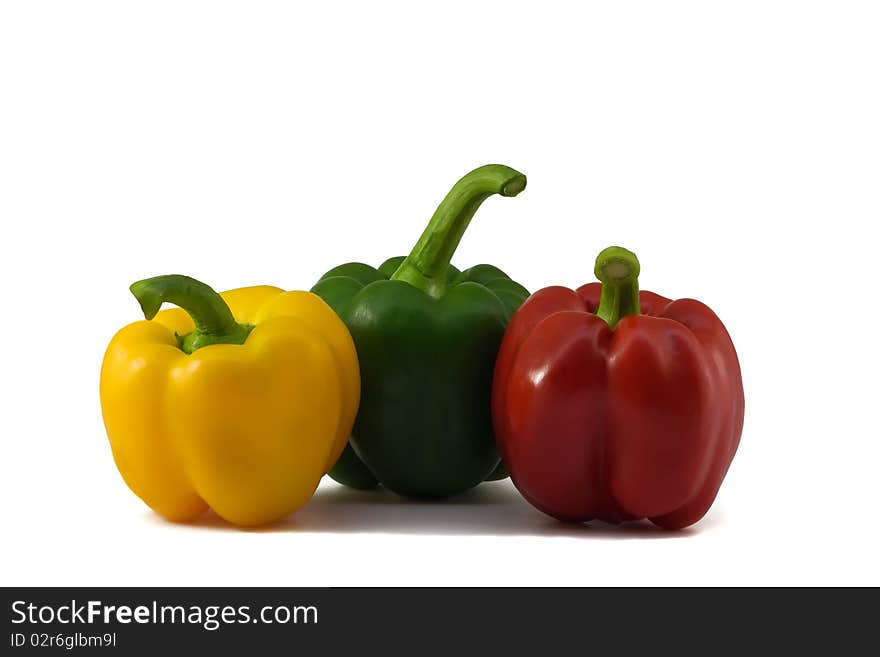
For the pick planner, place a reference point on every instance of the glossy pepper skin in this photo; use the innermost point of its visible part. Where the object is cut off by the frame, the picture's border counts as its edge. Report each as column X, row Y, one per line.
column 617, row 405
column 239, row 402
column 427, row 336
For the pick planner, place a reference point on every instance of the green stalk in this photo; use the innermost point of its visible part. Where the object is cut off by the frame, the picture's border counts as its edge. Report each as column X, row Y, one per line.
column 618, row 269
column 425, row 267
column 212, row 317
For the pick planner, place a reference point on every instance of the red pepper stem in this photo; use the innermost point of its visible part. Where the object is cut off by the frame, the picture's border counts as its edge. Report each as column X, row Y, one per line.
column 427, row 264
column 618, row 269
column 214, row 323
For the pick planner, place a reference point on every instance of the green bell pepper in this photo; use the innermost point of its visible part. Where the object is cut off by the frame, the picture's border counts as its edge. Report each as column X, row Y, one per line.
column 427, row 336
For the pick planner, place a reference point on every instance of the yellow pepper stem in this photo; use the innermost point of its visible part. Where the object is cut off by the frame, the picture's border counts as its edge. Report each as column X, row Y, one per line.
column 212, row 317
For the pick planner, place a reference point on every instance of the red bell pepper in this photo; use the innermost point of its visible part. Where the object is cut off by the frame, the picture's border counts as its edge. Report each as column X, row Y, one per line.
column 613, row 404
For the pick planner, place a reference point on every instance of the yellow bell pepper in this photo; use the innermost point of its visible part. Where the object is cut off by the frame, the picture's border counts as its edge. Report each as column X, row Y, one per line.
column 239, row 402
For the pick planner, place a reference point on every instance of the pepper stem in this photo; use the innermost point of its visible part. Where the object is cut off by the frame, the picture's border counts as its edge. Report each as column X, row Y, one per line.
column 426, row 265
column 210, row 314
column 618, row 269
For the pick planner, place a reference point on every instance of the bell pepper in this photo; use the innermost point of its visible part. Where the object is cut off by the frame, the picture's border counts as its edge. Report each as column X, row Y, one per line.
column 613, row 404
column 239, row 402
column 426, row 337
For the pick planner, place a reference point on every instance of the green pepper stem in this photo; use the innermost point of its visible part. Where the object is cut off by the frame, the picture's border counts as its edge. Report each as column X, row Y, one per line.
column 425, row 267
column 618, row 269
column 214, row 323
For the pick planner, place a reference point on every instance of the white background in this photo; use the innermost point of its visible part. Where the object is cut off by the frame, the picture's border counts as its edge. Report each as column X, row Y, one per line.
column 734, row 146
